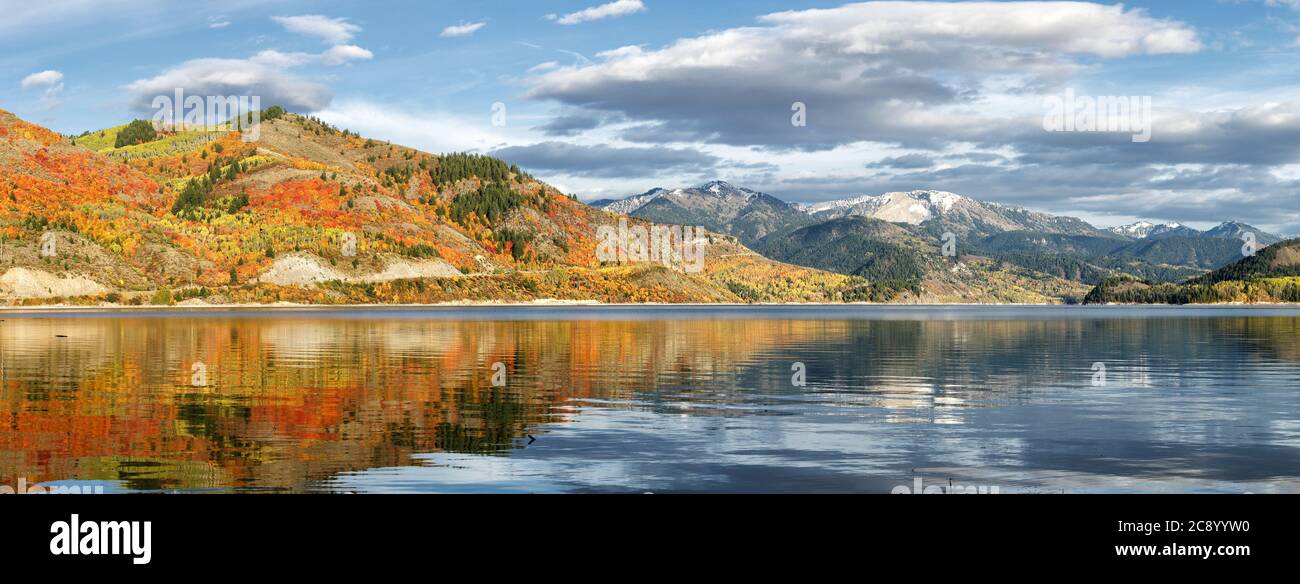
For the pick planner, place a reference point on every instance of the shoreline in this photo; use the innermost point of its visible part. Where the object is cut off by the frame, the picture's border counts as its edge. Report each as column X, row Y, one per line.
column 295, row 307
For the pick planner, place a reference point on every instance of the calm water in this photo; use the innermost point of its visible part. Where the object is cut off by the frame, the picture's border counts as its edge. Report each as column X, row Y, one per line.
column 655, row 399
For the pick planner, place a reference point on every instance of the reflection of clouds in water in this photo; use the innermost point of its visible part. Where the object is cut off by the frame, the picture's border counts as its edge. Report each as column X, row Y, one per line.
column 302, row 340
column 633, row 451
column 415, row 338
column 58, row 349
column 1285, row 432
column 309, row 340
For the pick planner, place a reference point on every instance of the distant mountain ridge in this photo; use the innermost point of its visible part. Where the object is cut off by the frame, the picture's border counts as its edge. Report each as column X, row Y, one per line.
column 718, row 206
column 1144, row 229
column 1226, row 230
column 891, row 237
column 963, row 215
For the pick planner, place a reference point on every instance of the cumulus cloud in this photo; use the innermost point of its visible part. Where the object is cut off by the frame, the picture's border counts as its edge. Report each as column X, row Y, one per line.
column 339, row 54
column 961, row 86
column 46, row 79
column 267, row 74
column 264, row 75
column 610, row 10
column 463, row 29
column 879, row 71
column 51, row 80
column 332, row 30
column 607, row 161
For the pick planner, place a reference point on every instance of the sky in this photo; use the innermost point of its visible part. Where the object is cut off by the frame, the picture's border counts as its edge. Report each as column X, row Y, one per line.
column 806, row 100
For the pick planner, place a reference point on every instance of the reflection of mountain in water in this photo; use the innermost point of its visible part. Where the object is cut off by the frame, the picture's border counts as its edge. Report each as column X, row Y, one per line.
column 290, row 402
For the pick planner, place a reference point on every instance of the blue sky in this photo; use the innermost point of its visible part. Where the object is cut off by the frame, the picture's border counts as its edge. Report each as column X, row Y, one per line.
column 634, row 94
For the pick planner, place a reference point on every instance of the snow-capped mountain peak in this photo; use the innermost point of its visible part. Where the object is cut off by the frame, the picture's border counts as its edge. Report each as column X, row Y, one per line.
column 1145, row 229
column 913, row 207
column 1237, row 229
column 725, row 189
column 633, row 203
column 711, row 190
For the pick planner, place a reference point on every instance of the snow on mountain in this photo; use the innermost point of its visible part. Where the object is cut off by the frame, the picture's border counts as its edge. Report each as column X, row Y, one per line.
column 716, row 189
column 1236, row 229
column 630, row 204
column 1144, row 229
column 913, row 207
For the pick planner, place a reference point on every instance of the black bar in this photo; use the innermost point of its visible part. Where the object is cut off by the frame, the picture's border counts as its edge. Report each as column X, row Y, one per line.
column 310, row 533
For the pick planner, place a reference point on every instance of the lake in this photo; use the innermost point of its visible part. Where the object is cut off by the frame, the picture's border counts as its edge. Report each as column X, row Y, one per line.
column 859, row 399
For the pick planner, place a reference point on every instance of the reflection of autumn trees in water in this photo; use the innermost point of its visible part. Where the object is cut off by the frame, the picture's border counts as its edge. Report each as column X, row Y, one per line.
column 290, row 402
column 293, row 401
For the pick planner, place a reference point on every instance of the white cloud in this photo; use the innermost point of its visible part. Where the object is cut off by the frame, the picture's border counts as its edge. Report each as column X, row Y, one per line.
column 463, row 29
column 216, row 22
column 882, row 71
column 47, row 79
column 264, row 75
column 610, row 10
column 332, row 30
column 1083, row 28
column 431, row 131
column 336, row 55
column 52, row 81
column 281, row 60
column 340, row 54
column 267, row 75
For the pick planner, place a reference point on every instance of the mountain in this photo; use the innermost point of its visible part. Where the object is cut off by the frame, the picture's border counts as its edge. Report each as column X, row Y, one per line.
column 1144, row 229
column 948, row 212
column 717, row 206
column 314, row 214
column 877, row 250
column 1227, row 230
column 1280, row 260
column 1272, row 275
column 897, row 234
column 913, row 208
column 905, row 267
column 1179, row 245
column 309, row 213
column 1235, row 231
column 1176, row 232
column 630, row 204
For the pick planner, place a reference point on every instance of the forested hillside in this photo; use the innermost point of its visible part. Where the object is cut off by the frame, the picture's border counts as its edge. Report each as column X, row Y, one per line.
column 1270, row 276
column 315, row 214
